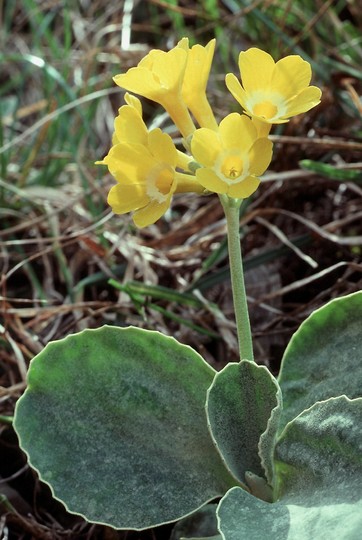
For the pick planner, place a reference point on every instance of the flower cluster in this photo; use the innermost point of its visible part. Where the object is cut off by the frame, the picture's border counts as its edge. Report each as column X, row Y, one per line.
column 226, row 158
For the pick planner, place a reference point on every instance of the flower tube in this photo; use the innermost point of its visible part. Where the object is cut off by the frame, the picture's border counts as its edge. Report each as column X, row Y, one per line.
column 195, row 79
column 159, row 77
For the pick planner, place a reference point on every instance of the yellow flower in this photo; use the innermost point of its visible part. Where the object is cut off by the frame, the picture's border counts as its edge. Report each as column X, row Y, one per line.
column 159, row 77
column 195, row 79
column 232, row 158
column 145, row 176
column 144, row 165
column 273, row 92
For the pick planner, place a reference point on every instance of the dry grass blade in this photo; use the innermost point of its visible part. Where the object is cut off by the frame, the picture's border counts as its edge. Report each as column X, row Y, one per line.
column 279, row 234
column 307, row 281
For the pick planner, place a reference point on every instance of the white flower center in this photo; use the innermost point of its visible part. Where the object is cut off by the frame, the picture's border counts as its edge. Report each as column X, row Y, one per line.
column 159, row 182
column 232, row 167
column 266, row 105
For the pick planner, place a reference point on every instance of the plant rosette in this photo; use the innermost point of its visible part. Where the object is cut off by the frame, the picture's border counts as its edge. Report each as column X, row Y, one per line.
column 114, row 421
column 132, row 429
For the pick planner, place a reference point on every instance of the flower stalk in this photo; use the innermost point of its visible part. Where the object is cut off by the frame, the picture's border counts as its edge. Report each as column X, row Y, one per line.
column 231, row 208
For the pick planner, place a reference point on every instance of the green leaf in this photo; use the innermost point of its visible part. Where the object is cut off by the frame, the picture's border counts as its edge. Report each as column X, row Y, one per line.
column 334, row 173
column 319, row 471
column 320, row 451
column 113, row 420
column 241, row 515
column 243, row 405
column 324, row 357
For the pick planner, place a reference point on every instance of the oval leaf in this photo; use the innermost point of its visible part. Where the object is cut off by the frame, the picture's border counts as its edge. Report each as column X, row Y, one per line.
column 243, row 403
column 113, row 420
column 324, row 357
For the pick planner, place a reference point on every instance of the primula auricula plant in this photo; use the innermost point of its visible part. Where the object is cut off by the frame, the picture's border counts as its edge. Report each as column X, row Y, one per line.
column 131, row 428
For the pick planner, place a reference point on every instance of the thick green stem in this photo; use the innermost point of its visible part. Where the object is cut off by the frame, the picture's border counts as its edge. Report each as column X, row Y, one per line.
column 231, row 209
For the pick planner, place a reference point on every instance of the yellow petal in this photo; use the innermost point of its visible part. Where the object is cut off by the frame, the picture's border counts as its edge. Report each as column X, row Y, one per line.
column 230, row 131
column 236, row 90
column 195, row 81
column 197, row 71
column 260, row 156
column 237, row 132
column 134, row 102
column 150, row 213
column 124, row 198
column 291, row 75
column 170, row 68
column 129, row 163
column 129, row 126
column 184, row 44
column 205, row 146
column 157, row 75
column 141, row 81
column 211, row 181
column 162, row 147
column 303, row 102
column 148, row 60
column 256, row 69
column 245, row 188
